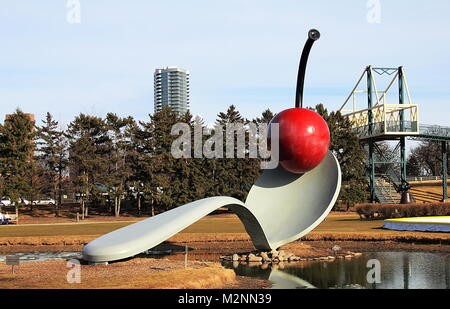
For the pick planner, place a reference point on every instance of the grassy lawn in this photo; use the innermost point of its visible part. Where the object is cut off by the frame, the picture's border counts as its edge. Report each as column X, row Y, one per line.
column 210, row 224
column 59, row 229
column 205, row 225
column 335, row 224
column 349, row 223
column 131, row 274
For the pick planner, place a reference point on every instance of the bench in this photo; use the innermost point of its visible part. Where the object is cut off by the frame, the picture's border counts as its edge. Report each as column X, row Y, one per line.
column 13, row 218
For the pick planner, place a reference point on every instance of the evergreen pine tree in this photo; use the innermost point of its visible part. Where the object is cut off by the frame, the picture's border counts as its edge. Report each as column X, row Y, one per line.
column 152, row 143
column 348, row 151
column 88, row 149
column 234, row 176
column 53, row 157
column 202, row 174
column 413, row 166
column 118, row 163
column 266, row 117
column 17, row 145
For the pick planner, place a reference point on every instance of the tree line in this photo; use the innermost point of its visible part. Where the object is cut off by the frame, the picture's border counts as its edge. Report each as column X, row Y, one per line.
column 426, row 159
column 106, row 162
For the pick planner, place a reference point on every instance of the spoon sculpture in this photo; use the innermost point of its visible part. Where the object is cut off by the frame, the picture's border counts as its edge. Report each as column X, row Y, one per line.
column 283, row 205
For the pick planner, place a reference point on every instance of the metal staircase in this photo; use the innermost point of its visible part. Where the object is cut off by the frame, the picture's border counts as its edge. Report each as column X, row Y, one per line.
column 385, row 190
column 387, row 181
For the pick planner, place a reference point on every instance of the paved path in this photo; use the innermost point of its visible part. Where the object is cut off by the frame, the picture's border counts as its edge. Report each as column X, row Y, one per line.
column 67, row 223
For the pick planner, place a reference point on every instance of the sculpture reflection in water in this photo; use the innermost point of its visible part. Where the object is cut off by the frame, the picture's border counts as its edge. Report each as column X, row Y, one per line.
column 399, row 270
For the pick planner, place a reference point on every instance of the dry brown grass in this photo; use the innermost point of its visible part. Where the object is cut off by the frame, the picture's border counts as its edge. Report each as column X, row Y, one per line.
column 45, row 240
column 349, row 227
column 42, row 214
column 337, row 226
column 135, row 274
column 80, row 240
column 427, row 191
column 430, row 238
column 59, row 229
column 388, row 211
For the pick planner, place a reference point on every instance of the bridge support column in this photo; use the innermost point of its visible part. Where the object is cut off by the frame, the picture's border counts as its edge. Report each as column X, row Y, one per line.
column 372, row 183
column 403, row 161
column 444, row 171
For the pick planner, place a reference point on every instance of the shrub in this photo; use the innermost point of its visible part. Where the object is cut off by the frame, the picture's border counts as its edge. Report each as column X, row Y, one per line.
column 388, row 211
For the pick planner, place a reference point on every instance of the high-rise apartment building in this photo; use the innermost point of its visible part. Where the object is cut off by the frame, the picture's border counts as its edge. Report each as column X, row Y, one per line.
column 171, row 88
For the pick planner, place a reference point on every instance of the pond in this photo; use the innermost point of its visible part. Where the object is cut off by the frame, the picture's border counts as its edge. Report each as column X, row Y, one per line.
column 398, row 270
column 43, row 256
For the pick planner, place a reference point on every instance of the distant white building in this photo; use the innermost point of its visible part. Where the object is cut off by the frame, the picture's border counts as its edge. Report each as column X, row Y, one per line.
column 171, row 88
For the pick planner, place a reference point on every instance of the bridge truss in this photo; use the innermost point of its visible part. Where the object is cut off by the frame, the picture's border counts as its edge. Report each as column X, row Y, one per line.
column 382, row 121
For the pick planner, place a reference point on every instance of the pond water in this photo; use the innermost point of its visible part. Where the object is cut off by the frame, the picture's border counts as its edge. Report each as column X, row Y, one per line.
column 398, row 270
column 43, row 256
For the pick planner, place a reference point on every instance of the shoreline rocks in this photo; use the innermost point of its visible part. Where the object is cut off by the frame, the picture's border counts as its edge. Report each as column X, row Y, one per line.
column 281, row 257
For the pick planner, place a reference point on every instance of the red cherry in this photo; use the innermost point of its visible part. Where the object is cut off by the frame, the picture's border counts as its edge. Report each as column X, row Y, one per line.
column 304, row 139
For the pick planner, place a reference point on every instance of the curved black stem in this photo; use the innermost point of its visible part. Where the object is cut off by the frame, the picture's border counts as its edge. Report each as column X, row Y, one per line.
column 313, row 35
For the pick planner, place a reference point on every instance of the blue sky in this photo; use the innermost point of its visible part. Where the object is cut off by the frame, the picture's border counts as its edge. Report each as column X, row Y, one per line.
column 242, row 52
